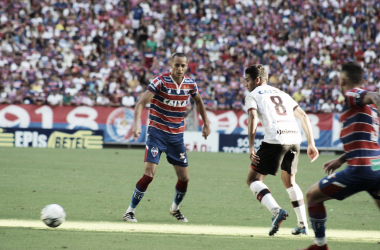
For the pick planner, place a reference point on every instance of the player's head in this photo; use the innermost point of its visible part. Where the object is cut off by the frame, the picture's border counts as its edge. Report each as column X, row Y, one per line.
column 351, row 75
column 179, row 65
column 255, row 76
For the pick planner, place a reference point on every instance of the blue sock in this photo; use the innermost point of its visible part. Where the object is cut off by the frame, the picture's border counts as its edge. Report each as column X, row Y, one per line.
column 319, row 227
column 178, row 197
column 317, row 214
column 136, row 198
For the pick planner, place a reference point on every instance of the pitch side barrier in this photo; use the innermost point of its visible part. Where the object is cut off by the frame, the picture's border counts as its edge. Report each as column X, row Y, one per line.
column 229, row 128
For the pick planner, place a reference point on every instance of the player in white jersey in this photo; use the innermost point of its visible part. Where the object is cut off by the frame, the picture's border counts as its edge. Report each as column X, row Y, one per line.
column 280, row 147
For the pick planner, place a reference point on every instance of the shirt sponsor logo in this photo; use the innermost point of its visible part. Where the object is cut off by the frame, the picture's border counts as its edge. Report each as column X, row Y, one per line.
column 175, row 103
column 281, row 132
column 268, row 92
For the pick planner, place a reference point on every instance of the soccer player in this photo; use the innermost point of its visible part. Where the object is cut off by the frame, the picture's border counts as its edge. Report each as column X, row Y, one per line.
column 168, row 95
column 359, row 135
column 280, row 147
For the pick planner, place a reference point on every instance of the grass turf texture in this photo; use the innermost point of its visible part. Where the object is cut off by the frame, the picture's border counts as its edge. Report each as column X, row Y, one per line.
column 96, row 185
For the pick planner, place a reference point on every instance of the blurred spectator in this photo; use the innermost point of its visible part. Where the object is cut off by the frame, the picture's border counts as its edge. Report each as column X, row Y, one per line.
column 298, row 96
column 67, row 99
column 54, row 99
column 238, row 103
column 222, row 103
column 328, row 106
column 102, row 100
column 128, row 100
column 88, row 100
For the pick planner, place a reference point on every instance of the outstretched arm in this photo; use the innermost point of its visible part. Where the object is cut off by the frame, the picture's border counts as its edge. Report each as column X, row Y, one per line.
column 144, row 100
column 372, row 98
column 202, row 111
column 252, row 126
column 312, row 151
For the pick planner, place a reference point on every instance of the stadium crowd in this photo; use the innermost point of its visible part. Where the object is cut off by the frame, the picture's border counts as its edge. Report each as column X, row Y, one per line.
column 105, row 52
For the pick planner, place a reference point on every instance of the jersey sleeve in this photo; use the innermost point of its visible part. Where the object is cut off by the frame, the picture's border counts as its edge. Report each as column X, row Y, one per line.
column 354, row 98
column 155, row 85
column 194, row 91
column 250, row 103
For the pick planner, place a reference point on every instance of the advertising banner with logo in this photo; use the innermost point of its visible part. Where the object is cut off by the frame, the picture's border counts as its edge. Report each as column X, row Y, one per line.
column 196, row 143
column 51, row 138
column 115, row 122
column 235, row 122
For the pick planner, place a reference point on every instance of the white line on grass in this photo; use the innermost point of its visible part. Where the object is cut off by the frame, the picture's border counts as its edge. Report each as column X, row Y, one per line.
column 343, row 235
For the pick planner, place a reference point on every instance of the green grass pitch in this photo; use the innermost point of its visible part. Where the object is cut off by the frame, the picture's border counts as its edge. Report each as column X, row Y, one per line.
column 96, row 185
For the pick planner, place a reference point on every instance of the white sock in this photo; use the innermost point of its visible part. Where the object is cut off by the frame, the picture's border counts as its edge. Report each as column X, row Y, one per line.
column 295, row 194
column 174, row 207
column 320, row 241
column 267, row 200
column 130, row 209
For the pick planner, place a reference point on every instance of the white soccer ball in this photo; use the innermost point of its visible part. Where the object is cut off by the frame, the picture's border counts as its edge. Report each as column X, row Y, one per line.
column 53, row 215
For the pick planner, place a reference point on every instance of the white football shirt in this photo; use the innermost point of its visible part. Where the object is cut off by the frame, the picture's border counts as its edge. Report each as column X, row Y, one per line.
column 275, row 109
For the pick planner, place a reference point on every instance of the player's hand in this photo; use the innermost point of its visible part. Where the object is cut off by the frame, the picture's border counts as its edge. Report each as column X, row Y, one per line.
column 205, row 131
column 332, row 165
column 136, row 132
column 312, row 152
column 255, row 159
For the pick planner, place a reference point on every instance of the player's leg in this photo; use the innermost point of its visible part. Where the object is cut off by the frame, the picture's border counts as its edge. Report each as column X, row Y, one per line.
column 176, row 155
column 139, row 192
column 261, row 191
column 288, row 177
column 151, row 159
column 317, row 214
column 180, row 192
column 264, row 196
column 270, row 157
column 298, row 203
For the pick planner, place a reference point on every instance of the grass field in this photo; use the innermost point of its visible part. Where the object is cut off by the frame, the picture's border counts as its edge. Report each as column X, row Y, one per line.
column 95, row 187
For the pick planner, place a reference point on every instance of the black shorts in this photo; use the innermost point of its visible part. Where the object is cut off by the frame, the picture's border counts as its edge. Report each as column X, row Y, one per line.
column 272, row 156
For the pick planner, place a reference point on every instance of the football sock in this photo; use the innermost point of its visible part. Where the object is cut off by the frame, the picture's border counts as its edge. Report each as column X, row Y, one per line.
column 180, row 192
column 263, row 194
column 296, row 198
column 317, row 214
column 140, row 189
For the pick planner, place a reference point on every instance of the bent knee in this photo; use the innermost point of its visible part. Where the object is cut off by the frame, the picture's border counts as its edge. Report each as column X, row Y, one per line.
column 184, row 178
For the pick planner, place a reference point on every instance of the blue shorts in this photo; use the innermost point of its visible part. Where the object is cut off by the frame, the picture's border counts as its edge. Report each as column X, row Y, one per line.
column 350, row 181
column 175, row 150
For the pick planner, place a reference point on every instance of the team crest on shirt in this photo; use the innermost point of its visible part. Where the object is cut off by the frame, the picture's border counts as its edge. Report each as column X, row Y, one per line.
column 154, row 151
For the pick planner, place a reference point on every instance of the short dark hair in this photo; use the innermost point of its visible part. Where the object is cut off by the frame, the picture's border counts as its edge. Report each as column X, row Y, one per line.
column 353, row 72
column 257, row 70
column 178, row 54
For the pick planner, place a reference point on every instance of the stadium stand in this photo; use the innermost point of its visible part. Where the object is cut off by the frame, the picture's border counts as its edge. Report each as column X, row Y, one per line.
column 81, row 52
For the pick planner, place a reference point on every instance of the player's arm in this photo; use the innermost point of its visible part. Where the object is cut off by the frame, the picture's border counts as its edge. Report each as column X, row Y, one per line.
column 312, row 151
column 202, row 111
column 372, row 98
column 332, row 165
column 144, row 100
column 252, row 127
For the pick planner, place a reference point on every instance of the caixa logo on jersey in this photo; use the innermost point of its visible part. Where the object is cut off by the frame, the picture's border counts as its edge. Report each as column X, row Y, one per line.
column 120, row 125
column 175, row 103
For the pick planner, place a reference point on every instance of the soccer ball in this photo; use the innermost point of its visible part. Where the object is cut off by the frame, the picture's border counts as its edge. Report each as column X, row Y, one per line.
column 53, row 215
